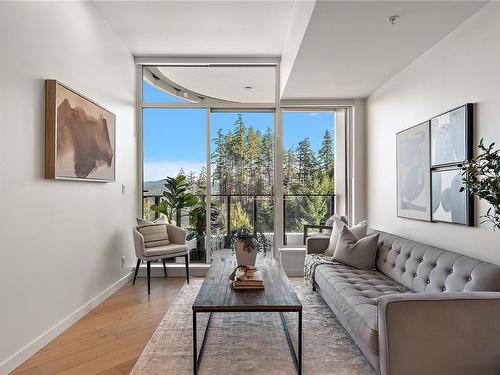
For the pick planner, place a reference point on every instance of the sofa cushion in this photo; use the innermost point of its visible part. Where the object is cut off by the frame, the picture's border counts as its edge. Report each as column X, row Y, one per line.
column 354, row 293
column 167, row 250
column 356, row 252
column 359, row 230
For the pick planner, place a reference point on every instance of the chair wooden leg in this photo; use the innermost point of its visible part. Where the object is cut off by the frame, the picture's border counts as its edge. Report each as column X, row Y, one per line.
column 136, row 270
column 187, row 267
column 149, row 277
column 164, row 267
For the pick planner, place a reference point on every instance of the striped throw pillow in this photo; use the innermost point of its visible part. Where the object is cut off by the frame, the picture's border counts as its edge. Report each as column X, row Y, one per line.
column 154, row 233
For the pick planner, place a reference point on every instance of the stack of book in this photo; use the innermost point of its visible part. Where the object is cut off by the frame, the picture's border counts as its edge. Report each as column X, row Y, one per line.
column 248, row 280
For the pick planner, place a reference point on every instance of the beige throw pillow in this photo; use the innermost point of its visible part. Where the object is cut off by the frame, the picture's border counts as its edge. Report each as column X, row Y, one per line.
column 356, row 252
column 154, row 233
column 359, row 230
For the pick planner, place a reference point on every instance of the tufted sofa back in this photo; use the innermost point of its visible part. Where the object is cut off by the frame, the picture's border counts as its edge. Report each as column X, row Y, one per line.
column 423, row 268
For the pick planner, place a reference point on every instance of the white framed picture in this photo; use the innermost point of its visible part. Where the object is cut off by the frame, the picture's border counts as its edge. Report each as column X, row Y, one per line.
column 413, row 172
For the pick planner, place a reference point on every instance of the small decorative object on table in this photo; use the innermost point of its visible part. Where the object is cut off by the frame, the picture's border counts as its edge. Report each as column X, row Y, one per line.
column 247, row 245
column 245, row 277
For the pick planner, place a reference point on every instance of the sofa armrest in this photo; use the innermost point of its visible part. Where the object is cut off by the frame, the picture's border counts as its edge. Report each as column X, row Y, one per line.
column 176, row 235
column 439, row 333
column 317, row 244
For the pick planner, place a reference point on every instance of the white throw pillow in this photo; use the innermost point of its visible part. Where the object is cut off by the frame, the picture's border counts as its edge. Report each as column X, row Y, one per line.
column 359, row 230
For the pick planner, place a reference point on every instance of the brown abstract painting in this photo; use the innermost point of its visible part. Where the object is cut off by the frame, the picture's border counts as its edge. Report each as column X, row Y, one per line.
column 79, row 136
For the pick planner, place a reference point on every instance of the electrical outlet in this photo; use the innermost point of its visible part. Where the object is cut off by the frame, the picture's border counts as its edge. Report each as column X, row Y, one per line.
column 123, row 261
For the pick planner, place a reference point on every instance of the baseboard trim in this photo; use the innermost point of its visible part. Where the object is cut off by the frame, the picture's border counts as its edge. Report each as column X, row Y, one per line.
column 294, row 272
column 34, row 346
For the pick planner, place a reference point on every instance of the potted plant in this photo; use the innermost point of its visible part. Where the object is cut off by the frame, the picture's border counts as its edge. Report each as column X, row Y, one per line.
column 482, row 177
column 246, row 245
column 197, row 224
column 176, row 197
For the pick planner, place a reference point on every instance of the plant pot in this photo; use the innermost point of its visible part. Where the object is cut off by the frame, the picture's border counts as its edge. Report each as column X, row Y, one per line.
column 243, row 256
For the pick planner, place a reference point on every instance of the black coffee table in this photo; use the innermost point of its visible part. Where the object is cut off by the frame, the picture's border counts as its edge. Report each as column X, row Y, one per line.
column 217, row 295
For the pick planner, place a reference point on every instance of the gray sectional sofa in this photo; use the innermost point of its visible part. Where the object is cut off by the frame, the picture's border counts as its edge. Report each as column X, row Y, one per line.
column 423, row 310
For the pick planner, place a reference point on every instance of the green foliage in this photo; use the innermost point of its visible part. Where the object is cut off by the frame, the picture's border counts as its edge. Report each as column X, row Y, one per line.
column 325, row 154
column 265, row 219
column 239, row 218
column 175, row 197
column 482, row 177
column 307, row 162
column 198, row 221
column 251, row 242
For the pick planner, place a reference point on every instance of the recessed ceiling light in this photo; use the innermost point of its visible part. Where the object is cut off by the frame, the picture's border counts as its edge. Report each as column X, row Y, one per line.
column 393, row 19
column 185, row 94
column 248, row 88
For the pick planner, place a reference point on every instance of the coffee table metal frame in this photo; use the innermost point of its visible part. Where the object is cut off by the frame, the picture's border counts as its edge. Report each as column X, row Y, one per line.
column 296, row 355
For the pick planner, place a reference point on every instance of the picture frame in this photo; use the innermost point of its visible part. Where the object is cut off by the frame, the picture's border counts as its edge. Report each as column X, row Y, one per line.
column 451, row 203
column 413, row 172
column 80, row 136
column 451, row 136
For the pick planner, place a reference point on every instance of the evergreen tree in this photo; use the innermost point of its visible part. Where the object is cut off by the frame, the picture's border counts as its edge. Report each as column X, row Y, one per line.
column 201, row 182
column 290, row 171
column 325, row 154
column 238, row 150
column 306, row 160
column 265, row 219
column 239, row 218
column 253, row 151
column 219, row 160
column 191, row 180
column 268, row 161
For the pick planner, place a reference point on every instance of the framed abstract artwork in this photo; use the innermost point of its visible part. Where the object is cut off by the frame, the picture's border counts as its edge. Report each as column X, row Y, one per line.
column 451, row 137
column 450, row 203
column 413, row 172
column 80, row 136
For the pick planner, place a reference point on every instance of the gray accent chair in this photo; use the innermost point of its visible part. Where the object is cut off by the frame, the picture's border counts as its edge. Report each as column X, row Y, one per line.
column 176, row 248
column 422, row 310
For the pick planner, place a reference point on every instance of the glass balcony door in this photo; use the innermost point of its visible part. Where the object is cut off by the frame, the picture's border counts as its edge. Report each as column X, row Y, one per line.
column 242, row 176
column 308, row 171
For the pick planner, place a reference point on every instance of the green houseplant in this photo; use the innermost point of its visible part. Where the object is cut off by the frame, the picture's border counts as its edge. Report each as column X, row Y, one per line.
column 198, row 221
column 482, row 177
column 175, row 197
column 246, row 245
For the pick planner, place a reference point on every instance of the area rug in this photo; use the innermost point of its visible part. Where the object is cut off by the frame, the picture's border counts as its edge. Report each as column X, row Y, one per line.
column 251, row 343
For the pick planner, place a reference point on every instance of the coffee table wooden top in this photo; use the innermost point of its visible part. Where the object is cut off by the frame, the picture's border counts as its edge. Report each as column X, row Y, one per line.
column 217, row 294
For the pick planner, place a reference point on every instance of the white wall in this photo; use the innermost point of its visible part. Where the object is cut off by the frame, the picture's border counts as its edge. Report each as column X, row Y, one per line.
column 463, row 67
column 61, row 243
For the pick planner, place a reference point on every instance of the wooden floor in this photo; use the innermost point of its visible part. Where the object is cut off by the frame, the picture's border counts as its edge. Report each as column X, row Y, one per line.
column 109, row 339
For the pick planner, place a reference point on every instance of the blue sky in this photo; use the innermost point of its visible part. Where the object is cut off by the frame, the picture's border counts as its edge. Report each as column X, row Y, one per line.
column 175, row 138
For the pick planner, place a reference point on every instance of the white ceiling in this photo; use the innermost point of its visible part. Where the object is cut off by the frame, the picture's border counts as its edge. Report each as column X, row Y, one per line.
column 347, row 50
column 199, row 28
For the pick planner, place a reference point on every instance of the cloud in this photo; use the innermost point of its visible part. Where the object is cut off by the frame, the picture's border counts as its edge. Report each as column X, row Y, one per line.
column 158, row 170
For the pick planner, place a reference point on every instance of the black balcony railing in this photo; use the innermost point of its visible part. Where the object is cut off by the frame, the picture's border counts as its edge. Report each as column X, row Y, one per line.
column 250, row 204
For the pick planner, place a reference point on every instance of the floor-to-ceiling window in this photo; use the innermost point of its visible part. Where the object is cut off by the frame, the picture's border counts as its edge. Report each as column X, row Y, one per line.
column 308, row 170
